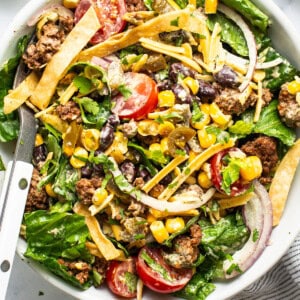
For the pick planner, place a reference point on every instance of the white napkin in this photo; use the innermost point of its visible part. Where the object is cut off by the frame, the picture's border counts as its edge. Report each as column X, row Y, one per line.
column 282, row 282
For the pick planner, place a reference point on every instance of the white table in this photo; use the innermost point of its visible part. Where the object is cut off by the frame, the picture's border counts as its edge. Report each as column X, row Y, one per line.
column 25, row 284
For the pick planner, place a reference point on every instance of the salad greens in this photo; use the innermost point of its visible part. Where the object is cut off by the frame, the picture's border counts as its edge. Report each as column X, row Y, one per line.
column 9, row 124
column 53, row 235
column 269, row 124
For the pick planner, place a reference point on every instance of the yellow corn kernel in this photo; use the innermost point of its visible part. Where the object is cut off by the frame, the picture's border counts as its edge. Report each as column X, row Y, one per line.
column 203, row 122
column 294, row 87
column 164, row 145
column 70, row 3
column 192, row 84
column 204, row 181
column 166, row 98
column 158, row 214
column 217, row 115
column 117, row 155
column 206, row 139
column 205, row 108
column 76, row 162
column 38, row 140
column 165, row 128
column 159, row 231
column 148, row 127
column 191, row 180
column 49, row 190
column 155, row 147
column 116, row 229
column 90, row 139
column 174, row 224
column 99, row 196
column 210, row 6
column 251, row 168
column 150, row 218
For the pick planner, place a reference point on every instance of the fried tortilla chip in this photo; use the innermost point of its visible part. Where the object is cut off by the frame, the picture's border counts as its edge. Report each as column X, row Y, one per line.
column 76, row 40
column 187, row 19
column 19, row 95
column 282, row 181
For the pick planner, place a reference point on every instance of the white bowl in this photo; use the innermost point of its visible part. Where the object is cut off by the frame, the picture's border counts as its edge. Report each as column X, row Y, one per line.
column 287, row 42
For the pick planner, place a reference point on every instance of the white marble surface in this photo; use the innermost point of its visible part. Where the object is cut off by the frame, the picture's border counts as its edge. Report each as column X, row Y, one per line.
column 25, row 284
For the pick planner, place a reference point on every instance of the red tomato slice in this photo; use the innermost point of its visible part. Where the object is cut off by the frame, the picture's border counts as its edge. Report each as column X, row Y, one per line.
column 109, row 13
column 142, row 98
column 119, row 277
column 169, row 280
column 238, row 187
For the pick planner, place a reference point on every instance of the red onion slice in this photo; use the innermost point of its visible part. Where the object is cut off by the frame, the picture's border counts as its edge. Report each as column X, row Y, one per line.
column 269, row 64
column 231, row 14
column 258, row 217
column 61, row 10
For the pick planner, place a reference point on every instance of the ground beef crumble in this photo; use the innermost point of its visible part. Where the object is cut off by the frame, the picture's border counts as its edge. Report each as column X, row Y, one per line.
column 265, row 148
column 85, row 189
column 37, row 198
column 69, row 112
column 79, row 269
column 53, row 34
column 185, row 249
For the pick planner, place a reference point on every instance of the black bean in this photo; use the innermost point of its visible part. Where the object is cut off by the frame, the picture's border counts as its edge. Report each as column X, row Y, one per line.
column 206, row 91
column 106, row 137
column 164, row 85
column 182, row 95
column 177, row 69
column 86, row 171
column 128, row 170
column 113, row 120
column 39, row 154
column 144, row 174
column 227, row 77
column 167, row 179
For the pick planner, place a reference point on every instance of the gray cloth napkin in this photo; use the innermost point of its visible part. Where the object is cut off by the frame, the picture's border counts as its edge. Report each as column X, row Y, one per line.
column 282, row 282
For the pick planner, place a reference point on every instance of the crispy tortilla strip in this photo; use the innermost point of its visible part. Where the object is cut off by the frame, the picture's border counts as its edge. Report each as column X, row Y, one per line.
column 194, row 165
column 55, row 121
column 74, row 43
column 230, row 202
column 104, row 245
column 19, row 95
column 186, row 19
column 282, row 181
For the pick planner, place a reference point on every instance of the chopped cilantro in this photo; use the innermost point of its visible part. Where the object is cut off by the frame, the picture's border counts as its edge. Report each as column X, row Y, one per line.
column 255, row 235
column 139, row 236
column 175, row 22
column 83, row 84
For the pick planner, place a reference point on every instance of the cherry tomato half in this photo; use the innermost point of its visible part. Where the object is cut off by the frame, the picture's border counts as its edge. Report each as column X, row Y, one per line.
column 121, row 278
column 157, row 275
column 142, row 97
column 217, row 163
column 109, row 13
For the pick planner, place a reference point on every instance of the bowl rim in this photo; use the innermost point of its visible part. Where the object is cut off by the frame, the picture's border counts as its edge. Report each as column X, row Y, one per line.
column 284, row 229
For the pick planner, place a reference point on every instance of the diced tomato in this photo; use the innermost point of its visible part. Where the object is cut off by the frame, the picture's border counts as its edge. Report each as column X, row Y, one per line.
column 158, row 275
column 109, row 13
column 141, row 99
column 121, row 278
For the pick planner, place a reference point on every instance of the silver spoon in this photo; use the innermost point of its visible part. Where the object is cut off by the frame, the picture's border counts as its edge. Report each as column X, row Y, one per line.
column 15, row 188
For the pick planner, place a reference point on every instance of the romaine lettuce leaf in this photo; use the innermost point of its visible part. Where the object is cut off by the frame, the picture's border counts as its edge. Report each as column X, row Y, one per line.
column 251, row 12
column 57, row 235
column 269, row 124
column 9, row 124
column 225, row 237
